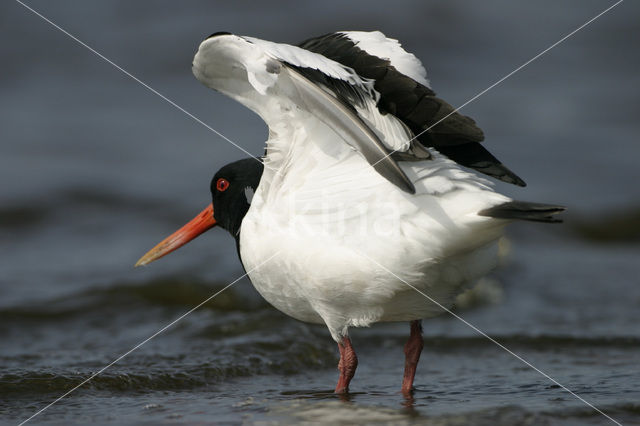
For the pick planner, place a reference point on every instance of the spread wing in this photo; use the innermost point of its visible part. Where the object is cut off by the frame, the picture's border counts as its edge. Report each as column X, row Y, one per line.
column 273, row 79
column 401, row 82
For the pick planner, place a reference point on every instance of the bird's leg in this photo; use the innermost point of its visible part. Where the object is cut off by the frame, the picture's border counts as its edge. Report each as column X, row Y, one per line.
column 347, row 365
column 412, row 351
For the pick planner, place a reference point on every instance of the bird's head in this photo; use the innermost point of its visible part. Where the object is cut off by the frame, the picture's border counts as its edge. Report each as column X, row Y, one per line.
column 232, row 189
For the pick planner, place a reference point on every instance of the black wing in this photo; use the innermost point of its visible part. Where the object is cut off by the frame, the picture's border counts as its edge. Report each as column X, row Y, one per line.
column 416, row 106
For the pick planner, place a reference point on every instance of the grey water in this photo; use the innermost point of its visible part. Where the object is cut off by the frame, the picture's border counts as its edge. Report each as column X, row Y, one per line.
column 95, row 169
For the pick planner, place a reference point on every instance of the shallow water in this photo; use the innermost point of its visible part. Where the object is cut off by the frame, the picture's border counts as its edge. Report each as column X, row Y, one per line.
column 95, row 170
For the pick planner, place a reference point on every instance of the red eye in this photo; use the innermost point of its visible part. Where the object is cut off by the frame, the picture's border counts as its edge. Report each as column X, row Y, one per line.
column 222, row 184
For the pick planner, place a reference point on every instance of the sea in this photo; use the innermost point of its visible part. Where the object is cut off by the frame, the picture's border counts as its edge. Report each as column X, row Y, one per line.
column 103, row 153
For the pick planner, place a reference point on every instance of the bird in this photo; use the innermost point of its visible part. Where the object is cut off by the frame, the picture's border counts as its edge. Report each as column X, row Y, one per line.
column 370, row 189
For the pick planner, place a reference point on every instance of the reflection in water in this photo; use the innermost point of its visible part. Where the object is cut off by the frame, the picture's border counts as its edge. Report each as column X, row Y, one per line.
column 409, row 402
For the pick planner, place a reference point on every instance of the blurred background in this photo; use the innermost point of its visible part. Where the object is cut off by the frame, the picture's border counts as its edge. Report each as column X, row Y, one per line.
column 95, row 170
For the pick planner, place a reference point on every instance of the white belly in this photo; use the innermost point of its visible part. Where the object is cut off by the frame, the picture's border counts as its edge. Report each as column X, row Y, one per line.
column 317, row 281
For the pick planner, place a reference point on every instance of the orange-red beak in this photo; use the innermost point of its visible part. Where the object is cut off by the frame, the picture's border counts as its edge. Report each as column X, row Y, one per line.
column 196, row 226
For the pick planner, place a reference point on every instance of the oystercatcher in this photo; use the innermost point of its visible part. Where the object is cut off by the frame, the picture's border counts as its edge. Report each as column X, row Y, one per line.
column 360, row 191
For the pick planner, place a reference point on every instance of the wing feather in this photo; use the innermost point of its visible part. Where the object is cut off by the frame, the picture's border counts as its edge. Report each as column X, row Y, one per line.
column 265, row 77
column 351, row 128
column 404, row 92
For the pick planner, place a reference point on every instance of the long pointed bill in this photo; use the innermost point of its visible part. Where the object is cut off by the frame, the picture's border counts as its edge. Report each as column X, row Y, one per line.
column 196, row 226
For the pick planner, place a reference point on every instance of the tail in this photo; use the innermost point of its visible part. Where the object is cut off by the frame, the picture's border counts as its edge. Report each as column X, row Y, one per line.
column 525, row 211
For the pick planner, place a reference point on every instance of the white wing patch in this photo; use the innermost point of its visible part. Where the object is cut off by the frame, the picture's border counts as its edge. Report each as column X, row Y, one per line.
column 391, row 131
column 377, row 44
column 388, row 128
column 261, row 60
column 299, row 57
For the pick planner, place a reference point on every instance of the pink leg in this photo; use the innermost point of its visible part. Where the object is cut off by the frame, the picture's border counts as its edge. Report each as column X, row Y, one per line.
column 347, row 365
column 412, row 351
